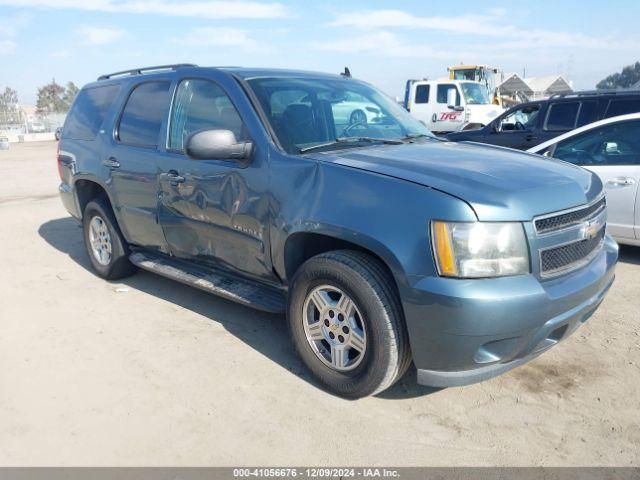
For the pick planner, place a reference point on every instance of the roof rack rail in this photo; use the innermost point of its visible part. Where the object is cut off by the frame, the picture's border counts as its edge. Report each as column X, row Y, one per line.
column 140, row 71
column 586, row 93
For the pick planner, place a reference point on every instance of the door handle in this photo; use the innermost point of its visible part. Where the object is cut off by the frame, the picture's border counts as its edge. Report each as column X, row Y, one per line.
column 530, row 137
column 111, row 163
column 173, row 177
column 620, row 182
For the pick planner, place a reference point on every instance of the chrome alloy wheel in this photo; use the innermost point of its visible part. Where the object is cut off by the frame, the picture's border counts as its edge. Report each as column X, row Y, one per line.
column 100, row 240
column 334, row 328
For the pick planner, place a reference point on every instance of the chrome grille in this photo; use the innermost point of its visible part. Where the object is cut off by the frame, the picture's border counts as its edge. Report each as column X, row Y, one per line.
column 554, row 223
column 557, row 260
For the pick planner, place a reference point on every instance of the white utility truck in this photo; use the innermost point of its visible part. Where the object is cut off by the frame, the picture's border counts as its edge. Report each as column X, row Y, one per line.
column 450, row 105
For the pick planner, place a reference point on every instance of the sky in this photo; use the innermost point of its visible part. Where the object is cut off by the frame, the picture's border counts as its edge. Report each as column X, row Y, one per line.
column 382, row 42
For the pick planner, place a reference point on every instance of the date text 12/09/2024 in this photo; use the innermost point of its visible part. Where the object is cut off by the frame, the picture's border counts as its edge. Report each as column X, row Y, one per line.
column 316, row 472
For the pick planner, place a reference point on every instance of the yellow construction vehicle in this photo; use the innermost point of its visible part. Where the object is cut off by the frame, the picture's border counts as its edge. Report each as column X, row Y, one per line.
column 478, row 73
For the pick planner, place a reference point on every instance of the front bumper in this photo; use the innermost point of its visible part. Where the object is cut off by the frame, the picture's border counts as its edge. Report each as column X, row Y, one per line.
column 466, row 331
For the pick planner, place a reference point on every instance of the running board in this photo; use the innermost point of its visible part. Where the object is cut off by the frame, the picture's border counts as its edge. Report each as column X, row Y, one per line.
column 218, row 282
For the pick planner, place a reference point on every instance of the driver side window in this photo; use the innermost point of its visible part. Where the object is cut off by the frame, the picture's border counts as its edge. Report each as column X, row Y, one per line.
column 524, row 118
column 443, row 93
column 614, row 144
column 202, row 105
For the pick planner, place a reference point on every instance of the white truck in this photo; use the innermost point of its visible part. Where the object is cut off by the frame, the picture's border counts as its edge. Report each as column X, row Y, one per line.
column 450, row 105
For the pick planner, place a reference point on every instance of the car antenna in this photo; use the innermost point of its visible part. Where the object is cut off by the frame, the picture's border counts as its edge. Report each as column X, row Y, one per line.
column 346, row 73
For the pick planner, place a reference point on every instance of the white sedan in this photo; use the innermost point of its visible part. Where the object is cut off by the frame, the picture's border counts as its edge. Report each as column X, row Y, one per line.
column 611, row 149
column 355, row 112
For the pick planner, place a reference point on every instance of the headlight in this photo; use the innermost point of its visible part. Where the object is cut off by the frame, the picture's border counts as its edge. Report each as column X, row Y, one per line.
column 479, row 249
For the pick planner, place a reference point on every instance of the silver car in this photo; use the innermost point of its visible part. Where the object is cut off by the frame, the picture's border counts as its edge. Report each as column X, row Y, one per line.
column 611, row 149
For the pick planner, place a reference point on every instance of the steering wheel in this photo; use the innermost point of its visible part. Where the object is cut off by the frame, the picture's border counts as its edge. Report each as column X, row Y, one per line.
column 364, row 125
column 519, row 125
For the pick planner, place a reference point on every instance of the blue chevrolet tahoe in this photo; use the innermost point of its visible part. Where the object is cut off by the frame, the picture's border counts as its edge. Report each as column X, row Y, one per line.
column 318, row 196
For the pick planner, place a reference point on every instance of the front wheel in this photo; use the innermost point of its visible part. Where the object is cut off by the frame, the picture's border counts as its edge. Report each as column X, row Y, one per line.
column 346, row 323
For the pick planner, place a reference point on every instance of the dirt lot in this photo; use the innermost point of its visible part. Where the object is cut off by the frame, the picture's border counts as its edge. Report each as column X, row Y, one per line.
column 150, row 372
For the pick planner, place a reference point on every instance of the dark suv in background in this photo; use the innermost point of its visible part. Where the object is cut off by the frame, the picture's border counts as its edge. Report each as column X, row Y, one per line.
column 529, row 124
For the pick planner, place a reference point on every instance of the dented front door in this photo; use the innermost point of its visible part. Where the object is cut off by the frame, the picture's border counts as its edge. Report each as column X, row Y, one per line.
column 213, row 211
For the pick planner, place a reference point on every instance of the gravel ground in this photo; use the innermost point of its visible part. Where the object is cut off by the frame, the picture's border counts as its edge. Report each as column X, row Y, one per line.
column 149, row 372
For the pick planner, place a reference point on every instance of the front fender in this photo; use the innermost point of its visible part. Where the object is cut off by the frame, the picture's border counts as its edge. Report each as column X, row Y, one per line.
column 385, row 215
column 360, row 239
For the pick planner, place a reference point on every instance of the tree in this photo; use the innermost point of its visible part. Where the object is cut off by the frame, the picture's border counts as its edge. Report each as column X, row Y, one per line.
column 629, row 76
column 69, row 94
column 9, row 109
column 50, row 99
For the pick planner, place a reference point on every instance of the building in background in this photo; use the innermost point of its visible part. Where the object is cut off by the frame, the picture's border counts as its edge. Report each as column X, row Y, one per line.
column 544, row 87
column 533, row 88
column 514, row 87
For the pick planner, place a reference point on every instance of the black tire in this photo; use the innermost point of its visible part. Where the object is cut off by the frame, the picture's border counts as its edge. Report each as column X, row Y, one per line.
column 366, row 281
column 119, row 265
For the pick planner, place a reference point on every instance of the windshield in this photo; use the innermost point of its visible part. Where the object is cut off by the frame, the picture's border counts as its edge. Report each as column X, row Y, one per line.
column 308, row 112
column 475, row 94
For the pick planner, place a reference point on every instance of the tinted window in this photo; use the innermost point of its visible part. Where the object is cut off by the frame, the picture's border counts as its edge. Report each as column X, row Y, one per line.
column 202, row 105
column 422, row 94
column 281, row 99
column 142, row 115
column 622, row 107
column 310, row 112
column 614, row 144
column 562, row 116
column 442, row 93
column 588, row 113
column 88, row 112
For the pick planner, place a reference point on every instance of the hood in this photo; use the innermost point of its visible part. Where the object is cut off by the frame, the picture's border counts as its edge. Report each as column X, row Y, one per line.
column 500, row 184
column 483, row 113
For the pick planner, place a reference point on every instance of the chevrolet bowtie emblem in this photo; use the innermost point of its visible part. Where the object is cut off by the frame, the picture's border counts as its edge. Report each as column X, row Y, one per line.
column 591, row 228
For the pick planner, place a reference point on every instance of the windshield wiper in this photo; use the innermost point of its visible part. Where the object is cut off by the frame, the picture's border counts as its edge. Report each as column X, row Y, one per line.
column 414, row 136
column 350, row 141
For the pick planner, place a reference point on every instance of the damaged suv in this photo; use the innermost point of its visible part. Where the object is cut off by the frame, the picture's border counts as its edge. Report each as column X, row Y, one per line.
column 383, row 245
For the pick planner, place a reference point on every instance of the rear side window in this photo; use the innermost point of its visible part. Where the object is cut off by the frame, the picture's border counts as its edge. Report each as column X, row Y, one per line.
column 89, row 111
column 422, row 94
column 588, row 113
column 143, row 114
column 622, row 107
column 562, row 116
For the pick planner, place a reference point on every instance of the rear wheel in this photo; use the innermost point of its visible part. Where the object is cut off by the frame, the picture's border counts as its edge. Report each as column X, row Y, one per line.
column 106, row 247
column 347, row 324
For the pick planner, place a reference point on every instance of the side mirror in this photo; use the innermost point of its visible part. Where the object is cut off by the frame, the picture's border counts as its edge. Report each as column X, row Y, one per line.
column 217, row 145
column 452, row 95
column 494, row 127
